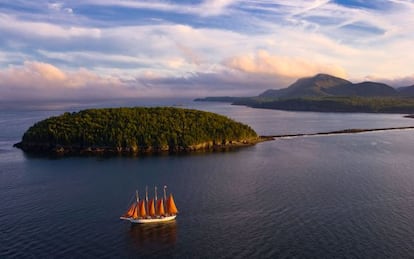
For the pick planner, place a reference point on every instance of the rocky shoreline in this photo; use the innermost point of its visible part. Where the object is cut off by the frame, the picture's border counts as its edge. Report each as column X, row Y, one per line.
column 35, row 148
column 95, row 150
column 135, row 130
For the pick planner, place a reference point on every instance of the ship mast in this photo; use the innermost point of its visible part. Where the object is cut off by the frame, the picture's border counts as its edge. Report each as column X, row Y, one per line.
column 165, row 193
column 136, row 193
column 146, row 197
column 165, row 198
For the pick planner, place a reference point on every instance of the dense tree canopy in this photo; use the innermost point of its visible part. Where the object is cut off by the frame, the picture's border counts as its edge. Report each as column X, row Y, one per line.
column 135, row 129
column 334, row 104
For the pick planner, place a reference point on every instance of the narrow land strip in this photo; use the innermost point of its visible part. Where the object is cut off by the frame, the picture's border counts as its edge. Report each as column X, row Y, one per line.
column 345, row 131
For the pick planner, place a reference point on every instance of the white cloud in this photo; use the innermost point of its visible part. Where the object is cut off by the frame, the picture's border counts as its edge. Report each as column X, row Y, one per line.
column 59, row 8
column 214, row 7
column 55, row 6
column 206, row 8
column 92, row 57
column 68, row 10
column 28, row 29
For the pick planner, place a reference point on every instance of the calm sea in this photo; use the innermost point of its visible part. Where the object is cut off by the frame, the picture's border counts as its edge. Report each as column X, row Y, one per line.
column 346, row 196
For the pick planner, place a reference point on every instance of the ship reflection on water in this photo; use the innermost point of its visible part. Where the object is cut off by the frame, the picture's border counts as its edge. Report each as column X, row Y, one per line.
column 147, row 236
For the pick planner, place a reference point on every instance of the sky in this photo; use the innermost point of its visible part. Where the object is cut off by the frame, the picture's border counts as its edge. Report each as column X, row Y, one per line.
column 103, row 49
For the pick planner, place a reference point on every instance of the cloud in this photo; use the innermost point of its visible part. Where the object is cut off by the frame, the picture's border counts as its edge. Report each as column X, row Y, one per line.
column 20, row 29
column 37, row 80
column 206, row 8
column 55, row 6
column 235, row 47
column 395, row 82
column 190, row 55
column 214, row 7
column 347, row 23
column 93, row 57
column 68, row 10
column 221, row 82
column 180, row 48
column 264, row 63
column 41, row 81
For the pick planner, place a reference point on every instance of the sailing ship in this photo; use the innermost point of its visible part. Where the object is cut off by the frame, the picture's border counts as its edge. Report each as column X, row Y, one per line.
column 153, row 210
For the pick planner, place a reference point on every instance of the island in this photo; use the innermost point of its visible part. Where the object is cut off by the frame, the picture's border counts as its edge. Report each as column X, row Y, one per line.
column 135, row 130
column 333, row 104
column 326, row 93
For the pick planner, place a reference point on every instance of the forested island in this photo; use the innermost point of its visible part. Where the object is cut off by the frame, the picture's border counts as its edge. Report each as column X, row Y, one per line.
column 135, row 130
column 326, row 93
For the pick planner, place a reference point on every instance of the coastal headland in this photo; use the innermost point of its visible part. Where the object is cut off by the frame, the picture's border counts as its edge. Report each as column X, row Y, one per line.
column 326, row 93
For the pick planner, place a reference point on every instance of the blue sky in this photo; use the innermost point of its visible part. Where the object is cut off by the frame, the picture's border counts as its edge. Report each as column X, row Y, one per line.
column 126, row 48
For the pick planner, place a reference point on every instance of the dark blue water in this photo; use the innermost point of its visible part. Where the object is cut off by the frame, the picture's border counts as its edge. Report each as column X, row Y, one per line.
column 315, row 197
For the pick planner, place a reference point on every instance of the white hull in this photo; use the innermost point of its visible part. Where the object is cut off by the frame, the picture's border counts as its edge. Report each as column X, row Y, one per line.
column 149, row 220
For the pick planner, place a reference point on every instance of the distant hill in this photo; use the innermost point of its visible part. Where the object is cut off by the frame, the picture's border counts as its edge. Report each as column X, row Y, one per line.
column 364, row 89
column 309, row 87
column 406, row 91
column 326, row 93
column 323, row 85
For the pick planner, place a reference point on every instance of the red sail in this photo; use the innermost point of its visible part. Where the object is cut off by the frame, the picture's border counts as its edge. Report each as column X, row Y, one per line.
column 130, row 211
column 151, row 208
column 160, row 207
column 172, row 209
column 135, row 213
column 142, row 211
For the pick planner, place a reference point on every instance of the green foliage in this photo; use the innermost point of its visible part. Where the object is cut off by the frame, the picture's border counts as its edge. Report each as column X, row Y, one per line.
column 136, row 129
column 335, row 104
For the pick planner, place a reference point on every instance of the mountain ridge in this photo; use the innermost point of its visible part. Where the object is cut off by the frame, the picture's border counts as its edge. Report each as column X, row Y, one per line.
column 324, row 85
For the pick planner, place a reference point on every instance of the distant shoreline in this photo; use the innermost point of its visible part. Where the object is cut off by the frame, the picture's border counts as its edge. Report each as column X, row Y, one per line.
column 375, row 105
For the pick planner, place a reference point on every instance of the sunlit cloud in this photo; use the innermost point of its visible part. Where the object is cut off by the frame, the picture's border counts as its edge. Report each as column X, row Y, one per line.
column 36, row 80
column 264, row 63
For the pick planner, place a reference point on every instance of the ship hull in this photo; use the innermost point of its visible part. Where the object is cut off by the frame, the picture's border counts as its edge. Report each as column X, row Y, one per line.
column 149, row 220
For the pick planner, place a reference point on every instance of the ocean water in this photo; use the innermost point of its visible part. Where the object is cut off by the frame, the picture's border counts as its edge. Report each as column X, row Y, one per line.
column 348, row 196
